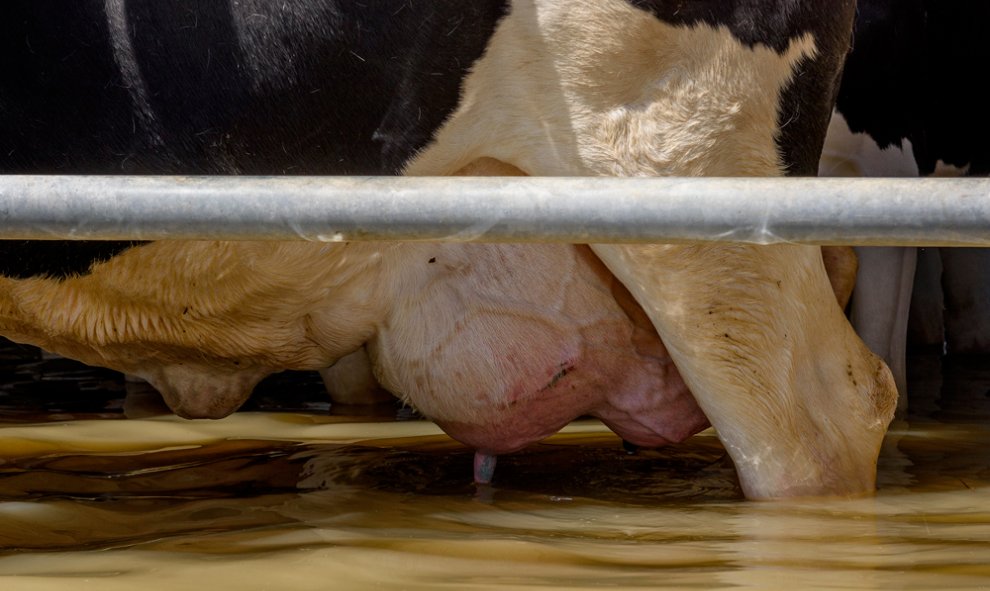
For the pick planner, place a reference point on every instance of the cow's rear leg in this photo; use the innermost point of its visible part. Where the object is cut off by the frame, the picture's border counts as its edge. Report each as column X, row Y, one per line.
column 926, row 327
column 966, row 284
column 881, row 304
column 798, row 400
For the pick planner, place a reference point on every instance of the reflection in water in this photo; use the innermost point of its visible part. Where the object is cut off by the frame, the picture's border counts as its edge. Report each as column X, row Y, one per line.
column 100, row 488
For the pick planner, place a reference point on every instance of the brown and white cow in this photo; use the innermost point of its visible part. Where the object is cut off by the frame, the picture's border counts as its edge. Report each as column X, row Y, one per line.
column 499, row 344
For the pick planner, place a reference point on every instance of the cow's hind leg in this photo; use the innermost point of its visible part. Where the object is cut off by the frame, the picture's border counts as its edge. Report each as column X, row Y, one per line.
column 966, row 284
column 881, row 304
column 799, row 402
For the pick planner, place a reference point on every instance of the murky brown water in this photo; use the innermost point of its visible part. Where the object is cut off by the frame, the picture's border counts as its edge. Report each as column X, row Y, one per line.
column 100, row 490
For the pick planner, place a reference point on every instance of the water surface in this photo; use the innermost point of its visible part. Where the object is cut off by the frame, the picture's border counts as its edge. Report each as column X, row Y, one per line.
column 100, row 488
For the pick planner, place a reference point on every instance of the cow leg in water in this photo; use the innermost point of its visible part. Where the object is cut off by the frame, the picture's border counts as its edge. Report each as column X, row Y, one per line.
column 881, row 305
column 798, row 401
column 698, row 100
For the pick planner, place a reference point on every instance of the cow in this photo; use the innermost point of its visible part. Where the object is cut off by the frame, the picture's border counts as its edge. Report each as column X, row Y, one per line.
column 446, row 87
column 908, row 106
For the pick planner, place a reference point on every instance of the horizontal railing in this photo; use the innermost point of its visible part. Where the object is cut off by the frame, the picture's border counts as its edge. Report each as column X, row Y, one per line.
column 920, row 212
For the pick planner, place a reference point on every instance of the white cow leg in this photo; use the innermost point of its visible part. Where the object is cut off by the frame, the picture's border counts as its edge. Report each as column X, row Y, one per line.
column 925, row 326
column 966, row 285
column 799, row 402
column 881, row 305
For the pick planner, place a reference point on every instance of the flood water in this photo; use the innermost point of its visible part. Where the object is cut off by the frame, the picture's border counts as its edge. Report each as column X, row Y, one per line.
column 100, row 488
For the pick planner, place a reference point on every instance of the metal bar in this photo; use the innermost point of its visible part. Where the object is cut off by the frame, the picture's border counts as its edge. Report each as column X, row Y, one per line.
column 920, row 212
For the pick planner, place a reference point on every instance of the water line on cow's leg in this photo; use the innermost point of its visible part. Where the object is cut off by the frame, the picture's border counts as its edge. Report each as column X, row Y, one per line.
column 484, row 467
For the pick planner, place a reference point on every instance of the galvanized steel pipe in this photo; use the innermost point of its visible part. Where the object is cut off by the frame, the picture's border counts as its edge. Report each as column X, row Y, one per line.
column 920, row 212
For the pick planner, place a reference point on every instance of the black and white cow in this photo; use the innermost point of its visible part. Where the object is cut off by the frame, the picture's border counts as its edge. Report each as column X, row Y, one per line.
column 500, row 344
column 912, row 103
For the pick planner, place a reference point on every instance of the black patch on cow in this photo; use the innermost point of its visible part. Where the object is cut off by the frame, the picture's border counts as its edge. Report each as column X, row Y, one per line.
column 766, row 22
column 807, row 102
column 63, row 107
column 55, row 258
column 252, row 87
column 917, row 72
column 249, row 87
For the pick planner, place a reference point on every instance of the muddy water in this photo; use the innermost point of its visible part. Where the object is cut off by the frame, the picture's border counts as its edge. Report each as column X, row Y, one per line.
column 100, row 489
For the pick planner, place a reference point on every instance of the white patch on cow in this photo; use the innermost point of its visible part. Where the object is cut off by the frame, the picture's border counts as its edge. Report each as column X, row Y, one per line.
column 602, row 88
column 949, row 170
column 130, row 71
column 848, row 154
